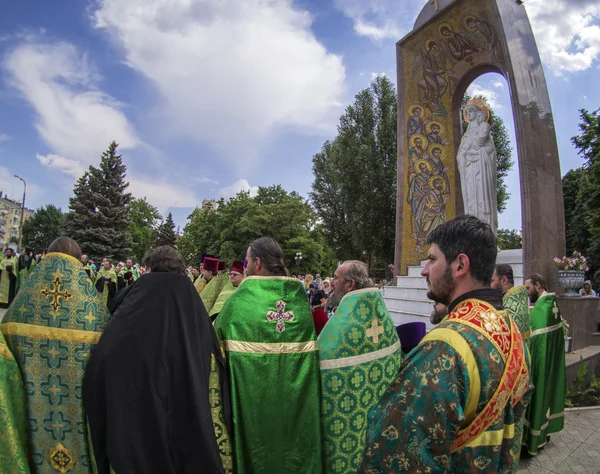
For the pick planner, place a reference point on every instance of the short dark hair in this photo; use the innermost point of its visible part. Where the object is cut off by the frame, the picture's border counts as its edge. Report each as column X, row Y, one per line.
column 271, row 255
column 165, row 259
column 505, row 270
column 537, row 278
column 67, row 246
column 471, row 236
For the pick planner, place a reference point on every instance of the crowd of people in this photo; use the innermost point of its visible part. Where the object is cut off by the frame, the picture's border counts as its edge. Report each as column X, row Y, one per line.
column 163, row 368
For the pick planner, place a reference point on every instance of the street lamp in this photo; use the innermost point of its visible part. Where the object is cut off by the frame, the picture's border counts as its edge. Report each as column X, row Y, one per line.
column 22, row 211
column 298, row 259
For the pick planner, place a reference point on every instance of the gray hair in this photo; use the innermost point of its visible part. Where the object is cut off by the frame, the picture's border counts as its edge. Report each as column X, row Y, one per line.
column 358, row 272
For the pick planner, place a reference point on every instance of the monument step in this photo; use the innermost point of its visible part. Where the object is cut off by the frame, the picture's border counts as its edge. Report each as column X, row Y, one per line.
column 411, row 282
column 414, row 306
column 407, row 293
column 415, row 271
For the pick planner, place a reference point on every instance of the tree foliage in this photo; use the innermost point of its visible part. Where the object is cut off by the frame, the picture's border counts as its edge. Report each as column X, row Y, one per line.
column 581, row 190
column 504, row 160
column 354, row 187
column 43, row 227
column 273, row 212
column 165, row 235
column 98, row 215
column 510, row 239
column 144, row 219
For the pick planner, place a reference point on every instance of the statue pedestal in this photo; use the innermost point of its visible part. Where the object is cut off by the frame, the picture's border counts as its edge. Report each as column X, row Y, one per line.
column 580, row 312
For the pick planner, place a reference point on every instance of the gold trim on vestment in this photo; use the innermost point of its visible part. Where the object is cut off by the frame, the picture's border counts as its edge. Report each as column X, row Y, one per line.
column 59, row 254
column 270, row 277
column 537, row 332
column 460, row 345
column 545, row 425
column 270, row 347
column 526, row 335
column 362, row 290
column 359, row 359
column 493, row 438
column 44, row 332
column 5, row 352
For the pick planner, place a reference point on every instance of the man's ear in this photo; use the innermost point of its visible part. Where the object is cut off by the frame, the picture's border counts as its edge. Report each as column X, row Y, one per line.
column 462, row 265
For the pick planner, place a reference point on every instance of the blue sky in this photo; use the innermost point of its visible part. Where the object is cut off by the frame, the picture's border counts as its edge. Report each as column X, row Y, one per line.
column 209, row 97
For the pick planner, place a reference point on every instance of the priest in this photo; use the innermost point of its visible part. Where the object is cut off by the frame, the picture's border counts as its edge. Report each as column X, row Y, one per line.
column 154, row 406
column 54, row 323
column 515, row 299
column 203, row 281
column 236, row 275
column 106, row 282
column 267, row 333
column 25, row 266
column 215, row 280
column 8, row 278
column 546, row 412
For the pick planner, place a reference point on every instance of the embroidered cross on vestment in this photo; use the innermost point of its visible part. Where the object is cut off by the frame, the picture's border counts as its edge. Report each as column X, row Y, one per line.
column 280, row 316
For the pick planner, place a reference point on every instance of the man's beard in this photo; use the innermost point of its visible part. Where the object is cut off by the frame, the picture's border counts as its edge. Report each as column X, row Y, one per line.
column 444, row 288
column 534, row 296
column 437, row 316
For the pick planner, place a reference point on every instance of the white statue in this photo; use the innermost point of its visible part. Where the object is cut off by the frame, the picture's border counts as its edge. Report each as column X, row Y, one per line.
column 477, row 165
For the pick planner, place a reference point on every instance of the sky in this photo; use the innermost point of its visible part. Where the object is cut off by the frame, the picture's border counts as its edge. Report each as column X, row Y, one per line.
column 210, row 97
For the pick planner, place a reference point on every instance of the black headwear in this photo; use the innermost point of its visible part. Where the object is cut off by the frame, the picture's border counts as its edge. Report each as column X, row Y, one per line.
column 146, row 387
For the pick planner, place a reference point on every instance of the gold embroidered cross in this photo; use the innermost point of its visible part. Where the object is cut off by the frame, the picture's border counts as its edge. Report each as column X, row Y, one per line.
column 280, row 316
column 55, row 294
column 555, row 310
column 374, row 331
column 90, row 318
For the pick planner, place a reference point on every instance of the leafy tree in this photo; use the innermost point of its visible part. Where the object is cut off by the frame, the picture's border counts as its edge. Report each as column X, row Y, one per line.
column 165, row 235
column 510, row 239
column 273, row 212
column 98, row 216
column 43, row 227
column 504, row 162
column 354, row 188
column 574, row 185
column 588, row 199
column 144, row 219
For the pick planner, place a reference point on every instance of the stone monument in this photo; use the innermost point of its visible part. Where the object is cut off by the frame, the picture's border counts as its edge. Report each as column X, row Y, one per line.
column 454, row 42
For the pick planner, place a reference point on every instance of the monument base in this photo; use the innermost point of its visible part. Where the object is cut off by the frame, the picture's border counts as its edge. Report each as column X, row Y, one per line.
column 580, row 312
column 407, row 302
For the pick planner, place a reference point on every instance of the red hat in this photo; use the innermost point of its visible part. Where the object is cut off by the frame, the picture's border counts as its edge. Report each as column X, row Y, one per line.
column 222, row 265
column 237, row 266
column 211, row 264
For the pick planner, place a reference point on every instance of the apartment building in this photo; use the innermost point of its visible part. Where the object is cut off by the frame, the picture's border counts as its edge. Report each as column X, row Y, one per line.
column 10, row 218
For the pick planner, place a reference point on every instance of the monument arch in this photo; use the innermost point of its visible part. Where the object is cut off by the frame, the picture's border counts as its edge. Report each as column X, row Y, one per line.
column 452, row 44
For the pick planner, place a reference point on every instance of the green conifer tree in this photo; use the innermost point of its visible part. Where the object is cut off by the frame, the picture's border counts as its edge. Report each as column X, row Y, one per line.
column 166, row 232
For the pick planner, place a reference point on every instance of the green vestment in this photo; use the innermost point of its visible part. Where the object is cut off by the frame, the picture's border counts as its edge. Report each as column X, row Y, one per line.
column 360, row 356
column 24, row 272
column 211, row 291
column 545, row 414
column 13, row 415
column 225, row 293
column 51, row 327
column 5, row 279
column 267, row 332
column 104, row 273
column 445, row 385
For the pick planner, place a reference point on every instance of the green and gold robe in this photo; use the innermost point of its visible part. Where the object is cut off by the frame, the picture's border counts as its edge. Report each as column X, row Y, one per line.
column 545, row 413
column 5, row 283
column 211, row 291
column 516, row 302
column 360, row 357
column 225, row 293
column 51, row 327
column 454, row 404
column 23, row 270
column 105, row 289
column 267, row 332
column 13, row 415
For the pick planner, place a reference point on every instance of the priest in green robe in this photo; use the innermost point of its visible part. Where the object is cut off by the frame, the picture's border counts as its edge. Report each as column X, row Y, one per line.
column 25, row 266
column 267, row 333
column 515, row 299
column 8, row 278
column 236, row 275
column 454, row 404
column 106, row 282
column 216, row 280
column 13, row 415
column 51, row 328
column 360, row 357
column 546, row 412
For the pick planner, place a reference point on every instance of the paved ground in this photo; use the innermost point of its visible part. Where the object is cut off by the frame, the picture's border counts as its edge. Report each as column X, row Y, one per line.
column 575, row 450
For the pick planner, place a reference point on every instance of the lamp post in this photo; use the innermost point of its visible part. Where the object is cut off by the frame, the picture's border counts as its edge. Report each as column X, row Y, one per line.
column 298, row 259
column 22, row 212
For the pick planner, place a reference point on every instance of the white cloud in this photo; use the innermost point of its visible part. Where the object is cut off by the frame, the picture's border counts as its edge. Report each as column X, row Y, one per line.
column 66, row 165
column 567, row 32
column 375, row 75
column 228, row 72
column 73, row 116
column 498, row 84
column 13, row 188
column 4, row 137
column 381, row 19
column 237, row 187
column 161, row 193
column 490, row 95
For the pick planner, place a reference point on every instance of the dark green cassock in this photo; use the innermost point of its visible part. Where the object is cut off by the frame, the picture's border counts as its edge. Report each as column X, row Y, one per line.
column 360, row 356
column 54, row 322
column 266, row 330
column 546, row 412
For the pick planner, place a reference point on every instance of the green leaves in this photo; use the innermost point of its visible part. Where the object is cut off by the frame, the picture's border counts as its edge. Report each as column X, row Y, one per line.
column 165, row 234
column 43, row 228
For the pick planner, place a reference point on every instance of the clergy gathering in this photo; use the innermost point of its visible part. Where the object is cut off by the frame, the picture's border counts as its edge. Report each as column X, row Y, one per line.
column 231, row 246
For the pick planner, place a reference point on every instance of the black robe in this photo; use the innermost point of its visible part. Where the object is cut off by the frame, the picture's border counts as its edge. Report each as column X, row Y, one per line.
column 146, row 387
